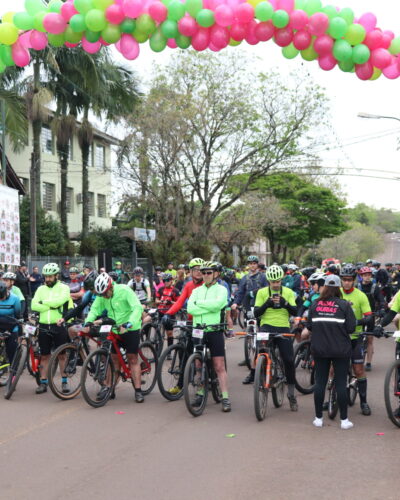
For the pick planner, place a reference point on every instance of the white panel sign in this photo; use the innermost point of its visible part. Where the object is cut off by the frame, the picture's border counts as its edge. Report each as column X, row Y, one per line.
column 9, row 227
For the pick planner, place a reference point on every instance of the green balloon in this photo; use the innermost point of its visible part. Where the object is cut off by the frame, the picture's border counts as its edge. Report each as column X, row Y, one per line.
column 158, row 42
column 280, row 19
column 77, row 23
column 111, row 33
column 55, row 6
column 23, row 21
column 2, row 66
column 140, row 37
column 346, row 66
column 337, row 27
column 71, row 36
column 361, row 54
column 355, row 34
column 395, row 46
column 205, row 18
column 309, row 54
column 56, row 40
column 264, row 11
column 34, row 6
column 38, row 21
column 96, row 20
column 92, row 36
column 102, row 4
column 347, row 14
column 290, row 52
column 342, row 51
column 6, row 55
column 300, row 4
column 234, row 43
column 128, row 26
column 169, row 28
column 183, row 42
column 166, row 2
column 176, row 10
column 145, row 24
column 194, row 7
column 83, row 6
column 330, row 11
column 313, row 6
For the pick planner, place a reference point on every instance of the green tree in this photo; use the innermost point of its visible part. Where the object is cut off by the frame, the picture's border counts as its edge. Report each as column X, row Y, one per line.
column 99, row 238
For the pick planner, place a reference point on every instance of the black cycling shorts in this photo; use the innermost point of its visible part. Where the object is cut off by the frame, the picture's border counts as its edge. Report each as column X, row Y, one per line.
column 215, row 342
column 51, row 336
column 357, row 351
column 129, row 341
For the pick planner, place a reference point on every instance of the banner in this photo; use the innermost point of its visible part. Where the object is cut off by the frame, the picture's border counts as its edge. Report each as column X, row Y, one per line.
column 9, row 227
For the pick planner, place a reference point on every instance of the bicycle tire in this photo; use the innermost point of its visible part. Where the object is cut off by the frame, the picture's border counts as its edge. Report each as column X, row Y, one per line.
column 152, row 334
column 177, row 352
column 188, row 381
column 32, row 372
column 352, row 391
column 92, row 368
column 249, row 351
column 332, row 402
column 388, row 391
column 278, row 383
column 302, row 355
column 260, row 391
column 16, row 369
column 52, row 370
column 240, row 318
column 149, row 376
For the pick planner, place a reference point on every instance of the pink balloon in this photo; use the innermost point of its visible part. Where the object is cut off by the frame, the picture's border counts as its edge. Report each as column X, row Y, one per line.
column 134, row 51
column 201, row 39
column 364, row 71
column 327, row 62
column 374, row 39
column 287, row 5
column 158, row 11
column 115, row 14
column 68, row 10
column 133, row 8
column 392, row 72
column 219, row 36
column 386, row 41
column 239, row 31
column 54, row 23
column 38, row 40
column 171, row 43
column 274, row 4
column 389, row 33
column 380, row 58
column 318, row 23
column 25, row 40
column 90, row 48
column 264, row 31
column 20, row 55
column 71, row 45
column 284, row 37
column 127, row 43
column 244, row 13
column 298, row 19
column 368, row 20
column 213, row 47
column 302, row 40
column 187, row 26
column 223, row 15
column 323, row 45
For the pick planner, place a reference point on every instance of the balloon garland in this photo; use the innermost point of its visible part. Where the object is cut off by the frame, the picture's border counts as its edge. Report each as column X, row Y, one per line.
column 327, row 34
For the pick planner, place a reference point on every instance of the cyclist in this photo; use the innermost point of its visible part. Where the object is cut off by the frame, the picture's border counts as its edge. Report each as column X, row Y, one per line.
column 122, row 276
column 170, row 269
column 10, row 310
column 122, row 306
column 316, row 281
column 75, row 285
column 140, row 286
column 166, row 296
column 207, row 304
column 274, row 305
column 362, row 311
column 9, row 279
column 51, row 300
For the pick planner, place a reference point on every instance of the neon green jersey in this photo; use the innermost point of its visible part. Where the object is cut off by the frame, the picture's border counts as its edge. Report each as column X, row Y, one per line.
column 206, row 303
column 16, row 291
column 360, row 305
column 395, row 307
column 52, row 302
column 275, row 317
column 172, row 272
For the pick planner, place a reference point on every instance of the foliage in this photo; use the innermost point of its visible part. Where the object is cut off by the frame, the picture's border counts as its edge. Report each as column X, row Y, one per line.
column 99, row 239
column 379, row 218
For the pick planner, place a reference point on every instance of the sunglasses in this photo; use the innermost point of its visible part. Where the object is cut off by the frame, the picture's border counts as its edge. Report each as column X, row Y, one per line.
column 207, row 272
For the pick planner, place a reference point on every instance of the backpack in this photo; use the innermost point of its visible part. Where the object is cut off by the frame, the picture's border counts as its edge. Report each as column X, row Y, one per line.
column 253, row 285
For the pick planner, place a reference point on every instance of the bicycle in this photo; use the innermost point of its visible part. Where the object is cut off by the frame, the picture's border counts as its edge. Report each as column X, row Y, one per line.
column 4, row 364
column 250, row 342
column 305, row 367
column 269, row 374
column 171, row 364
column 154, row 331
column 199, row 374
column 99, row 378
column 392, row 384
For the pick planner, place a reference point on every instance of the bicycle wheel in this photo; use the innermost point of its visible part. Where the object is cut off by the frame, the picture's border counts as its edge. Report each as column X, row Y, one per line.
column 170, row 372
column 260, row 391
column 33, row 360
column 332, row 402
column 98, row 378
column 352, row 390
column 148, row 363
column 278, row 382
column 240, row 318
column 304, row 366
column 195, row 384
column 249, row 350
column 16, row 368
column 152, row 334
column 72, row 371
column 392, row 392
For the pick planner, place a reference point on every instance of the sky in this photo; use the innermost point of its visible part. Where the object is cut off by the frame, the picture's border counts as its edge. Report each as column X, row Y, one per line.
column 365, row 148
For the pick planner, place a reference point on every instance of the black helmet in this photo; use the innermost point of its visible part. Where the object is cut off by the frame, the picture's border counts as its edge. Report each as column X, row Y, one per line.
column 88, row 282
column 3, row 290
column 348, row 270
column 388, row 264
column 308, row 271
column 158, row 268
column 284, row 267
column 113, row 275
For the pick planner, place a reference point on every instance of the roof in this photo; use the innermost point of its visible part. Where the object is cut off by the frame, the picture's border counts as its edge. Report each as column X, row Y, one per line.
column 12, row 178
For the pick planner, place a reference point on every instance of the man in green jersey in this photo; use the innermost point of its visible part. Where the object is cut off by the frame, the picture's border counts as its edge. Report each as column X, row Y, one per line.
column 274, row 305
column 206, row 304
column 362, row 311
column 9, row 278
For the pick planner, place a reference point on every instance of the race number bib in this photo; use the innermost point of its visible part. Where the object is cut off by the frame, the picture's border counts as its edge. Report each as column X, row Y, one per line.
column 198, row 334
column 105, row 328
column 262, row 336
column 181, row 323
column 29, row 329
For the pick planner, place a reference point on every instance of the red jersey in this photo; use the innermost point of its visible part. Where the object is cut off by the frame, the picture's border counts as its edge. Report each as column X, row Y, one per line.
column 168, row 296
column 186, row 293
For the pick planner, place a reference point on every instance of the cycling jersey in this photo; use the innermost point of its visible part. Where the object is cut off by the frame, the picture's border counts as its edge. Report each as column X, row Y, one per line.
column 16, row 291
column 172, row 272
column 140, row 288
column 9, row 308
column 278, row 317
column 123, row 307
column 206, row 303
column 52, row 302
column 359, row 304
column 167, row 296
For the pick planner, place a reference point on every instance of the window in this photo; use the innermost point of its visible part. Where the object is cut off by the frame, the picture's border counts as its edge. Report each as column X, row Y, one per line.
column 90, row 207
column 101, row 206
column 71, row 150
column 47, row 140
column 90, row 162
column 70, row 200
column 99, row 157
column 49, row 196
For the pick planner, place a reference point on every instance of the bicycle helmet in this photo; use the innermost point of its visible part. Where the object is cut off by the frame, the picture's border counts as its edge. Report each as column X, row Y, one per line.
column 292, row 267
column 219, row 266
column 365, row 270
column 210, row 265
column 138, row 270
column 318, row 278
column 284, row 267
column 74, row 270
column 9, row 276
column 348, row 270
column 113, row 275
column 275, row 273
column 252, row 258
column 50, row 269
column 308, row 271
column 158, row 268
column 88, row 282
column 181, row 266
column 118, row 263
column 388, row 264
column 369, row 261
column 102, row 283
column 167, row 277
column 197, row 261
column 3, row 290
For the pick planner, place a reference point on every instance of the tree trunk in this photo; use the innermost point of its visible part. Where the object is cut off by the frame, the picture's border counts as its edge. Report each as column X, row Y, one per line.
column 35, row 178
column 63, row 152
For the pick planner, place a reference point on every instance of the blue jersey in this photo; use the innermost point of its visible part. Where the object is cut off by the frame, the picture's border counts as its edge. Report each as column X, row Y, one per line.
column 10, row 310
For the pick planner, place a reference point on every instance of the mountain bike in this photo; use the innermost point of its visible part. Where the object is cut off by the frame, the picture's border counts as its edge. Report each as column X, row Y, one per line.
column 153, row 331
column 305, row 368
column 99, row 378
column 392, row 384
column 270, row 374
column 250, row 342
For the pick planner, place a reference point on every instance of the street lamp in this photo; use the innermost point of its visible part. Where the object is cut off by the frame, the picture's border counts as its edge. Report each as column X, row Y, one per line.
column 377, row 117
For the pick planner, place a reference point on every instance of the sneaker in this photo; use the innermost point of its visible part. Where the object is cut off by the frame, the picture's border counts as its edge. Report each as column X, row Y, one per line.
column 249, row 379
column 242, row 363
column 65, row 388
column 198, row 401
column 41, row 389
column 368, row 367
column 318, row 422
column 139, row 398
column 346, row 424
column 226, row 405
column 365, row 409
column 174, row 390
column 293, row 403
column 102, row 393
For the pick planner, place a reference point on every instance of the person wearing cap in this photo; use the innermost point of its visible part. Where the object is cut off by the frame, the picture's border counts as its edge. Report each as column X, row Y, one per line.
column 123, row 277
column 170, row 269
column 331, row 321
column 65, row 278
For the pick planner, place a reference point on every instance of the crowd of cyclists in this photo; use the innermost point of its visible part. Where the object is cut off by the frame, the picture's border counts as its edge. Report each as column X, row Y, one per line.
column 333, row 305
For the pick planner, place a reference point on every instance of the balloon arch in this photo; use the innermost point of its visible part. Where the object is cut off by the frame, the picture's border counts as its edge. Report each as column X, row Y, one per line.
column 327, row 34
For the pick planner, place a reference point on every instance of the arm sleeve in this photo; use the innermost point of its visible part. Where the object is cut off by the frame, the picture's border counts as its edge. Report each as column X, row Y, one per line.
column 350, row 320
column 260, row 305
column 73, row 313
column 17, row 308
column 60, row 300
column 180, row 302
column 35, row 306
column 240, row 291
column 136, row 307
column 309, row 317
column 388, row 318
column 215, row 303
column 96, row 309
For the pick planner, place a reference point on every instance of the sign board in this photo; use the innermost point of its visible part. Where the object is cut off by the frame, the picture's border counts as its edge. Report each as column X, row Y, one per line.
column 9, row 227
column 142, row 234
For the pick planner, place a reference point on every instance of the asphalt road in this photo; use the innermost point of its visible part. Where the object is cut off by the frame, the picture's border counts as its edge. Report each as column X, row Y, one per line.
column 391, row 252
column 53, row 449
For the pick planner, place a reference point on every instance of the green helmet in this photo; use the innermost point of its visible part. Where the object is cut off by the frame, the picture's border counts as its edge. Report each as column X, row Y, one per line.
column 209, row 264
column 275, row 273
column 252, row 258
column 197, row 261
column 50, row 269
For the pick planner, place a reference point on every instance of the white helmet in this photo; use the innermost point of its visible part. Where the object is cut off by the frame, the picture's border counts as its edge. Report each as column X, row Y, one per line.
column 102, row 283
column 292, row 267
column 316, row 278
column 9, row 276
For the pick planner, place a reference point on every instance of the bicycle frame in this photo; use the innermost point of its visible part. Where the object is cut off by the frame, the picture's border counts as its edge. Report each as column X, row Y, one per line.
column 263, row 341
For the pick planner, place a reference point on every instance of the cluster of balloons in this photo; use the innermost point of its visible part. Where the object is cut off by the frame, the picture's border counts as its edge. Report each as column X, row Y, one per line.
column 327, row 34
